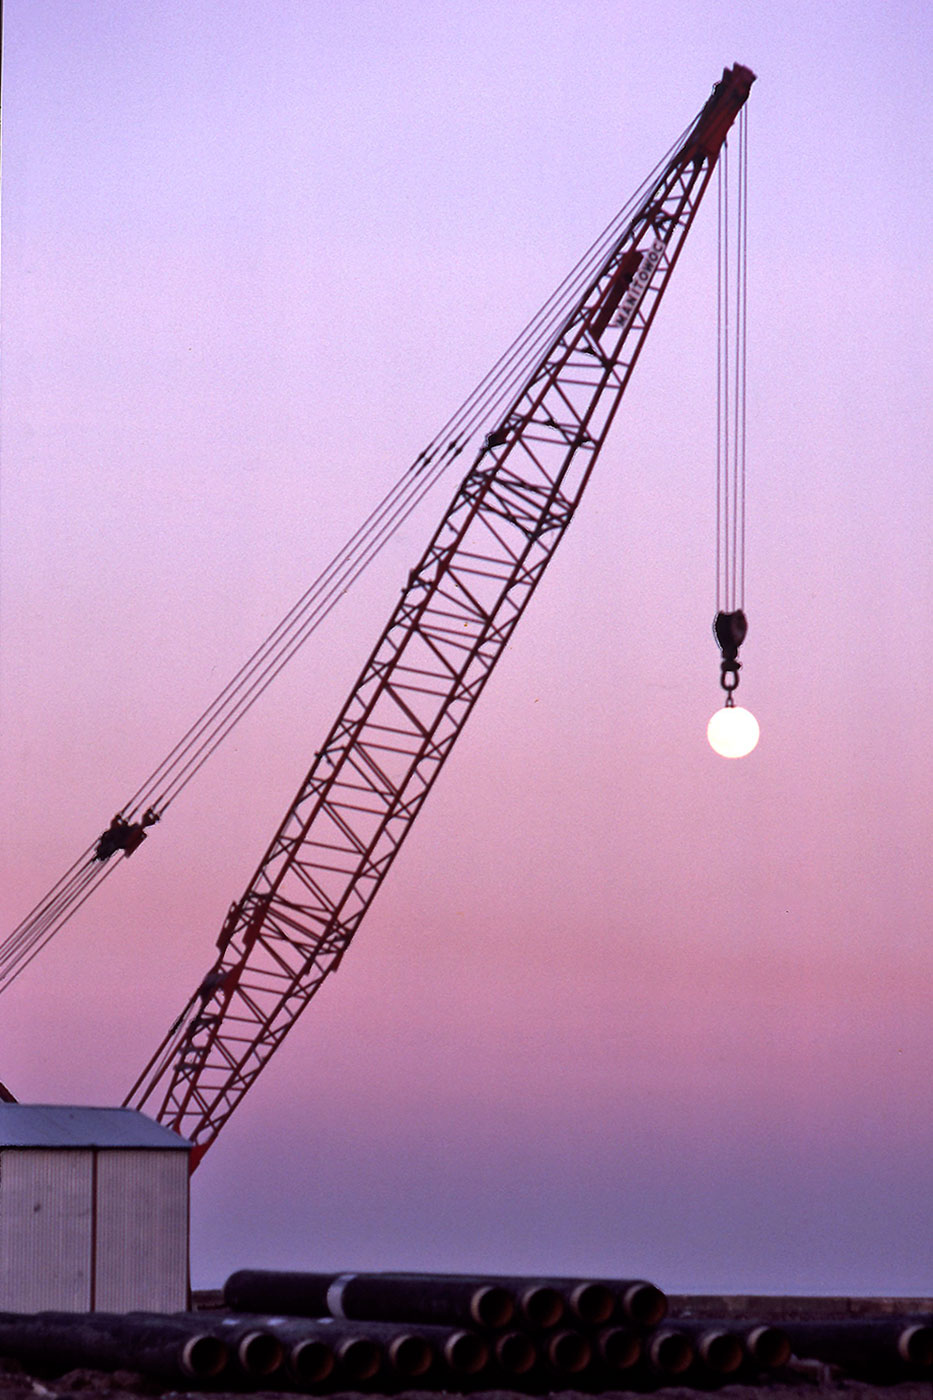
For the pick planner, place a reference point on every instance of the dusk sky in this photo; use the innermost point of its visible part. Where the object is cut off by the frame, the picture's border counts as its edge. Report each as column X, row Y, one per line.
column 622, row 1007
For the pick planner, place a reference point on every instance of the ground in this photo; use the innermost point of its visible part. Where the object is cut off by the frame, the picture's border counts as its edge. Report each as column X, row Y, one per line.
column 16, row 1384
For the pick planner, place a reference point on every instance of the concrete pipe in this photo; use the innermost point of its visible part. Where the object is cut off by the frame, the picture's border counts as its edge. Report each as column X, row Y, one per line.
column 309, row 1356
column 358, row 1358
column 669, row 1352
column 641, row 1303
column 543, row 1301
column 310, row 1361
column 201, row 1346
column 410, row 1356
column 257, row 1351
column 278, row 1291
column 439, row 1299
column 538, row 1303
column 590, row 1301
column 58, row 1342
column 766, row 1346
column 874, row 1348
column 428, row 1298
column 258, row 1354
column 465, row 1353
column 595, row 1301
column 566, row 1351
column 407, row 1352
column 514, row 1353
column 718, row 1351
column 718, row 1346
column 617, row 1349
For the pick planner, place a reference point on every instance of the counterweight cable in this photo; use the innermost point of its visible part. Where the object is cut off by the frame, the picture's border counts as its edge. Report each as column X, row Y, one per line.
column 482, row 408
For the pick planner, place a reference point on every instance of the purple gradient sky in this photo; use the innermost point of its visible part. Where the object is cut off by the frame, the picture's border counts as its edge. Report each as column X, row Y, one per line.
column 622, row 1007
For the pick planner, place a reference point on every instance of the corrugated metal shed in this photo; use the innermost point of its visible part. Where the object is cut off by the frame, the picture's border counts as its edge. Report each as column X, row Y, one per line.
column 93, row 1210
column 67, row 1125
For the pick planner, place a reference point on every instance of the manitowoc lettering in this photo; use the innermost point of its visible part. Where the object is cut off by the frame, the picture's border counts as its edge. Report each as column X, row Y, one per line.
column 640, row 280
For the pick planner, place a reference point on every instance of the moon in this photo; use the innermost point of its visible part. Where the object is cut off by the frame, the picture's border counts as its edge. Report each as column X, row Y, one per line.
column 733, row 731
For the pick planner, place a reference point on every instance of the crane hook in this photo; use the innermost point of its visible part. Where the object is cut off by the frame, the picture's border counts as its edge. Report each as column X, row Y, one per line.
column 730, row 630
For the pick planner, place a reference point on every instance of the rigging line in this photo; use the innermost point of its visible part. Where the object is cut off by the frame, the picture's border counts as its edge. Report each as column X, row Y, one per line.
column 737, row 459
column 495, row 389
column 38, row 933
column 731, row 377
column 212, row 742
column 50, row 910
column 719, row 392
column 737, row 385
column 498, row 382
column 50, row 907
column 743, row 335
column 323, row 606
column 16, row 948
column 262, row 679
column 53, row 893
column 40, row 941
column 725, row 496
column 387, row 524
column 269, row 659
column 727, row 503
column 281, row 637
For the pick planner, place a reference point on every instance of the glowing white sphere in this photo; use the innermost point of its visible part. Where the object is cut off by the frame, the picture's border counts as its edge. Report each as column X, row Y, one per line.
column 733, row 732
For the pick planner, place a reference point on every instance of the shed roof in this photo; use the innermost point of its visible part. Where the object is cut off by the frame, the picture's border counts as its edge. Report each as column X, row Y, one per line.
column 67, row 1125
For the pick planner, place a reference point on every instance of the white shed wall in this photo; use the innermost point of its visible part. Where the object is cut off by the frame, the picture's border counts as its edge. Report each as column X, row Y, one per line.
column 142, row 1231
column 46, row 1230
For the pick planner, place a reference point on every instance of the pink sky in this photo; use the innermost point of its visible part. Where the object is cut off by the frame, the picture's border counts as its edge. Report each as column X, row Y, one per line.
column 622, row 1007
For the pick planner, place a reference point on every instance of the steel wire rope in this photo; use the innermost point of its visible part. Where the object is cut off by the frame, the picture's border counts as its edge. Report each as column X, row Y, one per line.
column 498, row 386
column 51, row 895
column 47, row 909
column 731, row 403
column 724, row 395
column 39, row 919
column 376, row 530
column 741, row 352
column 493, row 393
column 41, row 935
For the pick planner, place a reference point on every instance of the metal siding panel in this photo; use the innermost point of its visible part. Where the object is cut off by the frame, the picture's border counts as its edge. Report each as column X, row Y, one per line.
column 142, row 1231
column 45, row 1230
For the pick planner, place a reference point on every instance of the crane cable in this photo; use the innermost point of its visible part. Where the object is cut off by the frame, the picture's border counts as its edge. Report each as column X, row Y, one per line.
column 730, row 625
column 730, row 385
column 490, row 398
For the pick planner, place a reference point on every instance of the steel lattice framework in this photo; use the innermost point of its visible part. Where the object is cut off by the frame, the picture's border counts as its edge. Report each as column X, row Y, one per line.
column 457, row 611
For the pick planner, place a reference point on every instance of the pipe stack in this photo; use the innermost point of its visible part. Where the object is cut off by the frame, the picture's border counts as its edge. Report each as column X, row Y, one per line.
column 55, row 1342
column 503, row 1331
column 884, row 1350
column 325, row 1333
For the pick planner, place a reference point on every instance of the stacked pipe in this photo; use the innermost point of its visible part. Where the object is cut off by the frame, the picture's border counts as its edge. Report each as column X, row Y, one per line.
column 55, row 1342
column 516, row 1332
column 452, row 1332
column 884, row 1350
column 439, row 1332
column 727, row 1351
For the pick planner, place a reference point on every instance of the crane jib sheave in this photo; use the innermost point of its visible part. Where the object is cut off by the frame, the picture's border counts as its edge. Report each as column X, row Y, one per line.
column 457, row 611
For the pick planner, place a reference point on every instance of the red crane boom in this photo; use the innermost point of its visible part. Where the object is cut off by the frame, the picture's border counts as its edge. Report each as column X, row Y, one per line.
column 457, row 611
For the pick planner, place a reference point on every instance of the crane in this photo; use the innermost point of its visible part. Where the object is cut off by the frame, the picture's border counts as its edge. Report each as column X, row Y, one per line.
column 336, row 843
